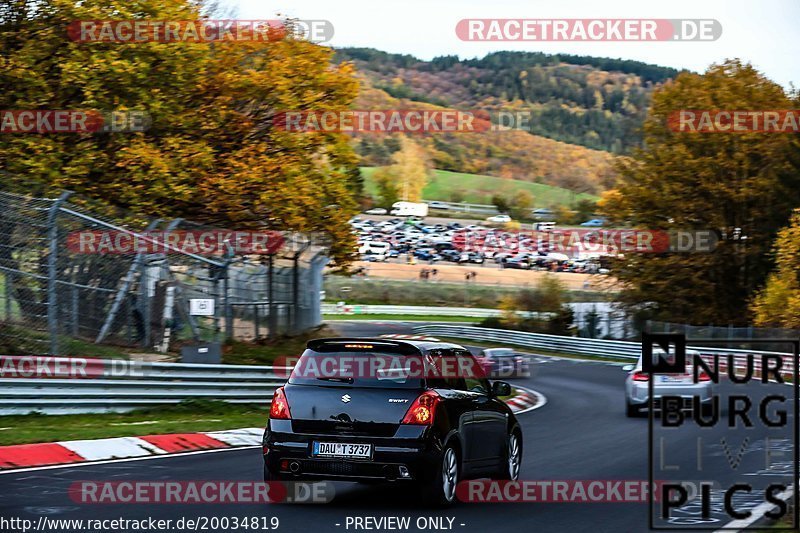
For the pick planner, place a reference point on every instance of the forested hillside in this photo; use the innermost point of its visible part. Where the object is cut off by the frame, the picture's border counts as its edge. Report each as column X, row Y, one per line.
column 599, row 103
column 585, row 111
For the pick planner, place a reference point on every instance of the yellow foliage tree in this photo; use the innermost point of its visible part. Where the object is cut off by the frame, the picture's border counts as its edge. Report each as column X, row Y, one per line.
column 405, row 178
column 212, row 153
column 778, row 303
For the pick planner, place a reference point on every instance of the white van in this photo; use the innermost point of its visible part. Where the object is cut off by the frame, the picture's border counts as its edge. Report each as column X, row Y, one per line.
column 409, row 209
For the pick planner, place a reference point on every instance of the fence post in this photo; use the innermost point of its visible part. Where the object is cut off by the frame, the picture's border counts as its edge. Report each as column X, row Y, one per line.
column 75, row 322
column 227, row 297
column 123, row 290
column 52, row 272
column 273, row 318
column 144, row 301
column 294, row 311
column 9, row 284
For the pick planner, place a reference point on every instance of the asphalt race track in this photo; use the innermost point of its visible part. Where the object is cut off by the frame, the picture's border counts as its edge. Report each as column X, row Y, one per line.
column 581, row 433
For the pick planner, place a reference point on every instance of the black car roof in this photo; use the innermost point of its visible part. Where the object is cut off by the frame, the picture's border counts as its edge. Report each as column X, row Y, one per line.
column 419, row 344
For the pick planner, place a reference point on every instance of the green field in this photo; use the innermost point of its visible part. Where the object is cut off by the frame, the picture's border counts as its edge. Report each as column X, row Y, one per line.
column 479, row 189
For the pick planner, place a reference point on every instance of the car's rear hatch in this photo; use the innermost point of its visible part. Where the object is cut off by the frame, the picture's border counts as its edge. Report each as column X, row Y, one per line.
column 356, row 388
column 360, row 411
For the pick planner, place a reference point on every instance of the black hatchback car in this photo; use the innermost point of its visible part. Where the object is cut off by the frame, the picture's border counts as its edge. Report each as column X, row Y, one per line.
column 357, row 409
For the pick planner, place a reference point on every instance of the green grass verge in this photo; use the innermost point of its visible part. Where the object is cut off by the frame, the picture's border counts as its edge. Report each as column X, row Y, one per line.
column 379, row 291
column 19, row 340
column 408, row 318
column 264, row 352
column 188, row 416
column 479, row 189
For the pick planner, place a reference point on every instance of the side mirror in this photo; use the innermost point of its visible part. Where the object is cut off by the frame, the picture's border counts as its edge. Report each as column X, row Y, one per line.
column 628, row 368
column 501, row 388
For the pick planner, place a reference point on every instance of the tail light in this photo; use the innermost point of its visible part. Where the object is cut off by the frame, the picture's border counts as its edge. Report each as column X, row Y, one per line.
column 280, row 407
column 641, row 376
column 702, row 376
column 423, row 409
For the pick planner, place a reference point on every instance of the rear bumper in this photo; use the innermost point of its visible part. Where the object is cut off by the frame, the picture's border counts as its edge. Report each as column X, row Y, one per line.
column 413, row 453
column 638, row 393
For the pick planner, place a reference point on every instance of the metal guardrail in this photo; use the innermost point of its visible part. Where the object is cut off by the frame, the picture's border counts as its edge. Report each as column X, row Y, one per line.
column 621, row 350
column 102, row 386
column 360, row 309
column 485, row 209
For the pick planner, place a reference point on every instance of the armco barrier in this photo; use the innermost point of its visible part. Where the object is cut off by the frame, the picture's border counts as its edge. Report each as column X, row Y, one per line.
column 118, row 386
column 419, row 310
column 620, row 350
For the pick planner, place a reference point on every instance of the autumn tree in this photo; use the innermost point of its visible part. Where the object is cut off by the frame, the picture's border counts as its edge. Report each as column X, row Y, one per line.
column 211, row 153
column 718, row 182
column 387, row 185
column 778, row 303
column 405, row 178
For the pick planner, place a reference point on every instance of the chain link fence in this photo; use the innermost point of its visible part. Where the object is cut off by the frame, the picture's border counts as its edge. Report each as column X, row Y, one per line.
column 721, row 333
column 71, row 277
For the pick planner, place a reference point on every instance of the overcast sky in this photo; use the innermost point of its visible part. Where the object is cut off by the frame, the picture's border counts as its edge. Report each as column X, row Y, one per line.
column 763, row 32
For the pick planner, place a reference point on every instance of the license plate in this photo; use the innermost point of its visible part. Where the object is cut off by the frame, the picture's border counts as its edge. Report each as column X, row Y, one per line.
column 671, row 379
column 342, row 449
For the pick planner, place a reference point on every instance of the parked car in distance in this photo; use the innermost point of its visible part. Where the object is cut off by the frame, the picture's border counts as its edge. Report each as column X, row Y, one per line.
column 450, row 255
column 594, row 223
column 542, row 213
column 516, row 262
column 476, row 257
column 375, row 211
column 427, row 254
column 374, row 250
column 438, row 205
column 499, row 219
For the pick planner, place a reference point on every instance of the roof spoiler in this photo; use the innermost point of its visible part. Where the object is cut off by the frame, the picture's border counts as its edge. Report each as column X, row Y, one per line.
column 358, row 344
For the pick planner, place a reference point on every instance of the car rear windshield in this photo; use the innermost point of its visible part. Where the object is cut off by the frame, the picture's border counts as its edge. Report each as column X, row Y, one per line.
column 359, row 369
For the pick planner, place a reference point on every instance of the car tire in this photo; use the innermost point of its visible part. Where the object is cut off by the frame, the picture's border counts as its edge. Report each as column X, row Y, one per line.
column 512, row 464
column 631, row 410
column 440, row 491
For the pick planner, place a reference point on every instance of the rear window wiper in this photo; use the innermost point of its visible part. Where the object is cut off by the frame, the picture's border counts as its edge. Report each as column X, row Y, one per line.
column 340, row 380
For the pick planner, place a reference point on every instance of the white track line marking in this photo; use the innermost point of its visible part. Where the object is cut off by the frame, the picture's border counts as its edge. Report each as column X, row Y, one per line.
column 758, row 513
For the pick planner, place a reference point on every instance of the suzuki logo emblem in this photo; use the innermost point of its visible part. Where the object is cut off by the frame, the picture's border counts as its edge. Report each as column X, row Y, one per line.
column 346, row 398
